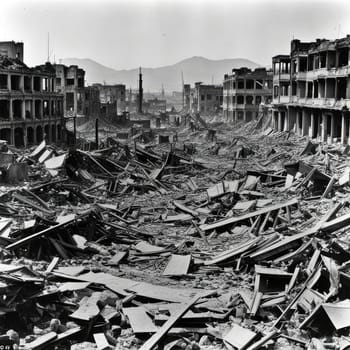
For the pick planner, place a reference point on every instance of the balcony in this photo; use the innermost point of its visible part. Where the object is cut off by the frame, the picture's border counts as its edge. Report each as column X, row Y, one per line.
column 330, row 102
column 284, row 99
column 285, row 76
column 342, row 71
column 301, row 75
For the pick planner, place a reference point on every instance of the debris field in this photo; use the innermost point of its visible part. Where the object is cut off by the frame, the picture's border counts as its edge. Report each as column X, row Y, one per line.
column 234, row 241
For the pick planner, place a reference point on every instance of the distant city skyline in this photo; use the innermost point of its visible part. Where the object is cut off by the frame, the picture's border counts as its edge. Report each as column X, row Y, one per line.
column 125, row 34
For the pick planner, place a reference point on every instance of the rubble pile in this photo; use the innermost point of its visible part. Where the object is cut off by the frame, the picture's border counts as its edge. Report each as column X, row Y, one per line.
column 232, row 238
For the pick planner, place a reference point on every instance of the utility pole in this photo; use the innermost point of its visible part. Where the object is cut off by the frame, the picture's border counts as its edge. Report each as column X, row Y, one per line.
column 140, row 92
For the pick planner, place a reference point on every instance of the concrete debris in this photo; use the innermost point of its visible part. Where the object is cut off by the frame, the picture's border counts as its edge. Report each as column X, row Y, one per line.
column 158, row 245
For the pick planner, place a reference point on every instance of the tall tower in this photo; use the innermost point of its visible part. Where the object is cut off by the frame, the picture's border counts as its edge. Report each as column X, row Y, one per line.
column 140, row 91
column 183, row 89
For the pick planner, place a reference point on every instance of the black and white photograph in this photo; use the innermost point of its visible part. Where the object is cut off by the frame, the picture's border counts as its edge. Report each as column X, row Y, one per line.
column 174, row 175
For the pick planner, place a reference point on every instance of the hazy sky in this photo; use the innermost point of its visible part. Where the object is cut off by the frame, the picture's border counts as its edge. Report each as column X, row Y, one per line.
column 150, row 33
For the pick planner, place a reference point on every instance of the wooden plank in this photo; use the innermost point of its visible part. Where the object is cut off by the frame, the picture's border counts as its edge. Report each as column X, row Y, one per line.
column 263, row 340
column 233, row 220
column 313, row 261
column 71, row 270
column 139, row 320
column 329, row 186
column 146, row 248
column 179, row 217
column 239, row 337
column 62, row 336
column 36, row 235
column 255, row 225
column 154, row 340
column 336, row 223
column 262, row 226
column 101, row 341
column 233, row 253
column 293, row 279
column 244, row 205
column 256, row 303
column 88, row 308
column 39, row 149
column 124, row 286
column 32, row 204
column 72, row 286
column 52, row 264
column 280, row 246
column 41, row 341
column 29, row 193
column 96, row 162
column 117, row 258
column 185, row 209
column 46, row 155
column 292, row 254
column 162, row 292
column 201, row 233
column 178, row 265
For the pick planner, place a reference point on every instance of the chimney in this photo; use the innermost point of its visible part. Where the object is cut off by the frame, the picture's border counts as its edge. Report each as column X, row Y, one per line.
column 140, row 91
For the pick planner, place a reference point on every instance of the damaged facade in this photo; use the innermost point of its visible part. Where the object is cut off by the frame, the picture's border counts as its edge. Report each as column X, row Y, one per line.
column 12, row 49
column 206, row 99
column 30, row 107
column 112, row 99
column 186, row 96
column 311, row 90
column 92, row 103
column 155, row 105
column 244, row 91
column 70, row 81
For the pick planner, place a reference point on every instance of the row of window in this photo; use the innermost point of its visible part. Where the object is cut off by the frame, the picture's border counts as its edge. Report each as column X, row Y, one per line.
column 248, row 84
column 16, row 82
column 70, row 82
column 31, row 109
column 209, row 97
column 322, row 88
column 325, row 59
column 248, row 100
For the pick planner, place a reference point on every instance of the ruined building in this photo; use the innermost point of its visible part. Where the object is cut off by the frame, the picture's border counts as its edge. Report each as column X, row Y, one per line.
column 112, row 99
column 206, row 99
column 311, row 89
column 244, row 90
column 30, row 107
column 154, row 105
column 70, row 81
column 92, row 105
column 12, row 49
column 186, row 96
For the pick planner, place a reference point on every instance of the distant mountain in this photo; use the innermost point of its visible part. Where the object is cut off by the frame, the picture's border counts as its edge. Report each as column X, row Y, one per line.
column 194, row 69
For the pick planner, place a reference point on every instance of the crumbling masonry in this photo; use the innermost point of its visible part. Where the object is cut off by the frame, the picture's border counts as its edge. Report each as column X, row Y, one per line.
column 30, row 109
column 311, row 90
column 244, row 90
